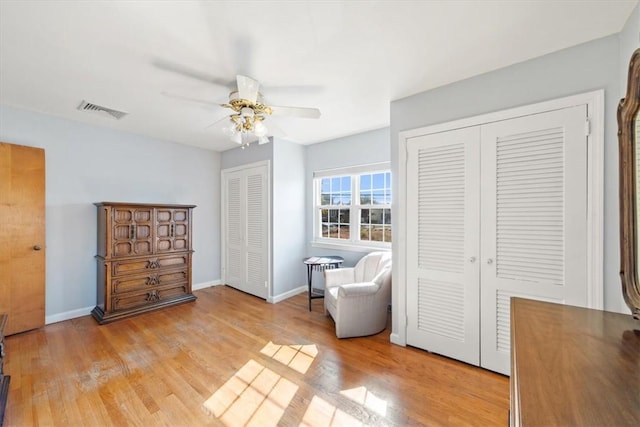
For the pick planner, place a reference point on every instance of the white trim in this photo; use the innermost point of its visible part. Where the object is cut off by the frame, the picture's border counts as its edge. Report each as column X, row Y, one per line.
column 68, row 315
column 293, row 292
column 348, row 246
column 205, row 285
column 353, row 170
column 354, row 243
column 595, row 204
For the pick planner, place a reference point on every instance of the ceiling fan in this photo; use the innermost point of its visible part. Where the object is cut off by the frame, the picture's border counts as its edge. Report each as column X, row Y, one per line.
column 246, row 123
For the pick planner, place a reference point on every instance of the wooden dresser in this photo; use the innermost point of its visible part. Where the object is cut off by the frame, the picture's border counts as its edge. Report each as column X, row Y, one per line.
column 573, row 366
column 144, row 258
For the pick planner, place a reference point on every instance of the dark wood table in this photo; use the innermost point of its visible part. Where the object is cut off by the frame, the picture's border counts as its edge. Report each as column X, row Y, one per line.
column 4, row 379
column 319, row 263
column 573, row 366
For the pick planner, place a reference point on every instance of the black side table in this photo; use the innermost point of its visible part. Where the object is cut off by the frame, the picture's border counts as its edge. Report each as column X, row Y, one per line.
column 319, row 263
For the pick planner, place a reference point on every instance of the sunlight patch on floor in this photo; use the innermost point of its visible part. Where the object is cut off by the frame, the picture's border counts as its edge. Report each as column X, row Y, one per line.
column 255, row 395
column 297, row 357
column 367, row 399
column 321, row 413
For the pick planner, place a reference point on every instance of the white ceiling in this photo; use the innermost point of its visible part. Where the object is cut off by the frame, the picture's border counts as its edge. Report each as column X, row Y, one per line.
column 348, row 58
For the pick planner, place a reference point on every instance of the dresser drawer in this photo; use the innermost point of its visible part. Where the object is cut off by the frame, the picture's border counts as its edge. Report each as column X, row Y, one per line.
column 149, row 297
column 148, row 281
column 135, row 266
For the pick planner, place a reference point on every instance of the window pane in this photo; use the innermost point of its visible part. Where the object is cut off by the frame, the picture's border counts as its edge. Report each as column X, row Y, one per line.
column 344, row 216
column 365, row 197
column 365, row 232
column 335, row 185
column 364, row 216
column 378, row 181
column 365, row 182
column 346, row 184
column 333, row 215
column 325, row 199
column 376, row 216
column 376, row 233
column 387, row 216
column 387, row 233
column 344, row 232
column 325, row 215
column 325, row 185
column 325, row 230
column 378, row 198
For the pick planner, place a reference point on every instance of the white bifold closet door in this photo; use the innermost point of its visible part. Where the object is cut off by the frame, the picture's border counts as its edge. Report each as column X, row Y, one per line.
column 443, row 192
column 246, row 229
column 500, row 210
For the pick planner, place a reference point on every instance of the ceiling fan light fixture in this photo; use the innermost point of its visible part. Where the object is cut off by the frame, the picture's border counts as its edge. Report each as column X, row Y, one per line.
column 259, row 129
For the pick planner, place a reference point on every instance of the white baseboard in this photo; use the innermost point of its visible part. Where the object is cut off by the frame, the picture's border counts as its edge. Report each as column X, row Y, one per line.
column 61, row 317
column 277, row 298
column 204, row 285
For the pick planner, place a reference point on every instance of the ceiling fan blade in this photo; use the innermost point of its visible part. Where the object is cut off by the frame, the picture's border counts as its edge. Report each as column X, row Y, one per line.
column 190, row 72
column 186, row 98
column 217, row 122
column 247, row 88
column 308, row 113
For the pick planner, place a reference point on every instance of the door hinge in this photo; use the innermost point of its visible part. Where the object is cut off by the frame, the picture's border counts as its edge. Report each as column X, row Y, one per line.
column 587, row 127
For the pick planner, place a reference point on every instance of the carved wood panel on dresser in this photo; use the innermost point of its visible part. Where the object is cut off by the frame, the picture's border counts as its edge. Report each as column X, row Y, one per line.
column 144, row 258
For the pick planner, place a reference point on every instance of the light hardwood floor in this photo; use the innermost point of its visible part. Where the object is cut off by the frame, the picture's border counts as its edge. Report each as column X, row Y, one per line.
column 232, row 359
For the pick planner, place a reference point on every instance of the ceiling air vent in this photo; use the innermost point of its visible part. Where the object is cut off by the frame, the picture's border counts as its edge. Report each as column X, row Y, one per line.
column 87, row 106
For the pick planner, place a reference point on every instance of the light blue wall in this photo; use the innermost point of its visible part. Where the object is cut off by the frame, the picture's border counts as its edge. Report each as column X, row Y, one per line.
column 360, row 149
column 629, row 41
column 288, row 219
column 87, row 164
column 583, row 68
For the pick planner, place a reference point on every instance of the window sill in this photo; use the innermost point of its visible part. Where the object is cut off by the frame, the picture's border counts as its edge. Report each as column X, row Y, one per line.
column 349, row 246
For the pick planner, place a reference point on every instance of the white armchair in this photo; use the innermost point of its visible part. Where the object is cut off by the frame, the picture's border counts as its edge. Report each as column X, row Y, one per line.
column 357, row 298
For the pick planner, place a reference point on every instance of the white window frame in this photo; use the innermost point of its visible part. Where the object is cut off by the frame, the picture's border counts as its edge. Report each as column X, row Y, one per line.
column 354, row 243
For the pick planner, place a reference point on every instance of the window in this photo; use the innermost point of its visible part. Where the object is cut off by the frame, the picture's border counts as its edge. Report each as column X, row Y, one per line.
column 353, row 206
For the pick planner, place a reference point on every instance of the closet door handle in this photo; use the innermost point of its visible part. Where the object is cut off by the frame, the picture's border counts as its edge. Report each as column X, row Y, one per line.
column 490, row 261
column 472, row 259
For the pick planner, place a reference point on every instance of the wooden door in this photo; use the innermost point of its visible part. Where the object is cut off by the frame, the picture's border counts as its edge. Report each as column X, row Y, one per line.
column 22, row 237
column 534, row 220
column 132, row 231
column 443, row 189
column 172, row 229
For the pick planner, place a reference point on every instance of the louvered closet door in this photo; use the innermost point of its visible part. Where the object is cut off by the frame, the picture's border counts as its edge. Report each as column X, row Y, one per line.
column 534, row 220
column 256, row 232
column 234, row 236
column 443, row 208
column 246, row 230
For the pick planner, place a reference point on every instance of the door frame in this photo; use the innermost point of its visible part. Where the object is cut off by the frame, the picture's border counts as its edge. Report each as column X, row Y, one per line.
column 223, row 240
column 595, row 196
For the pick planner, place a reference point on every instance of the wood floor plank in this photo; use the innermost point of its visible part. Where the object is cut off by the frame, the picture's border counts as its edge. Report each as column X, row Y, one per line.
column 232, row 359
